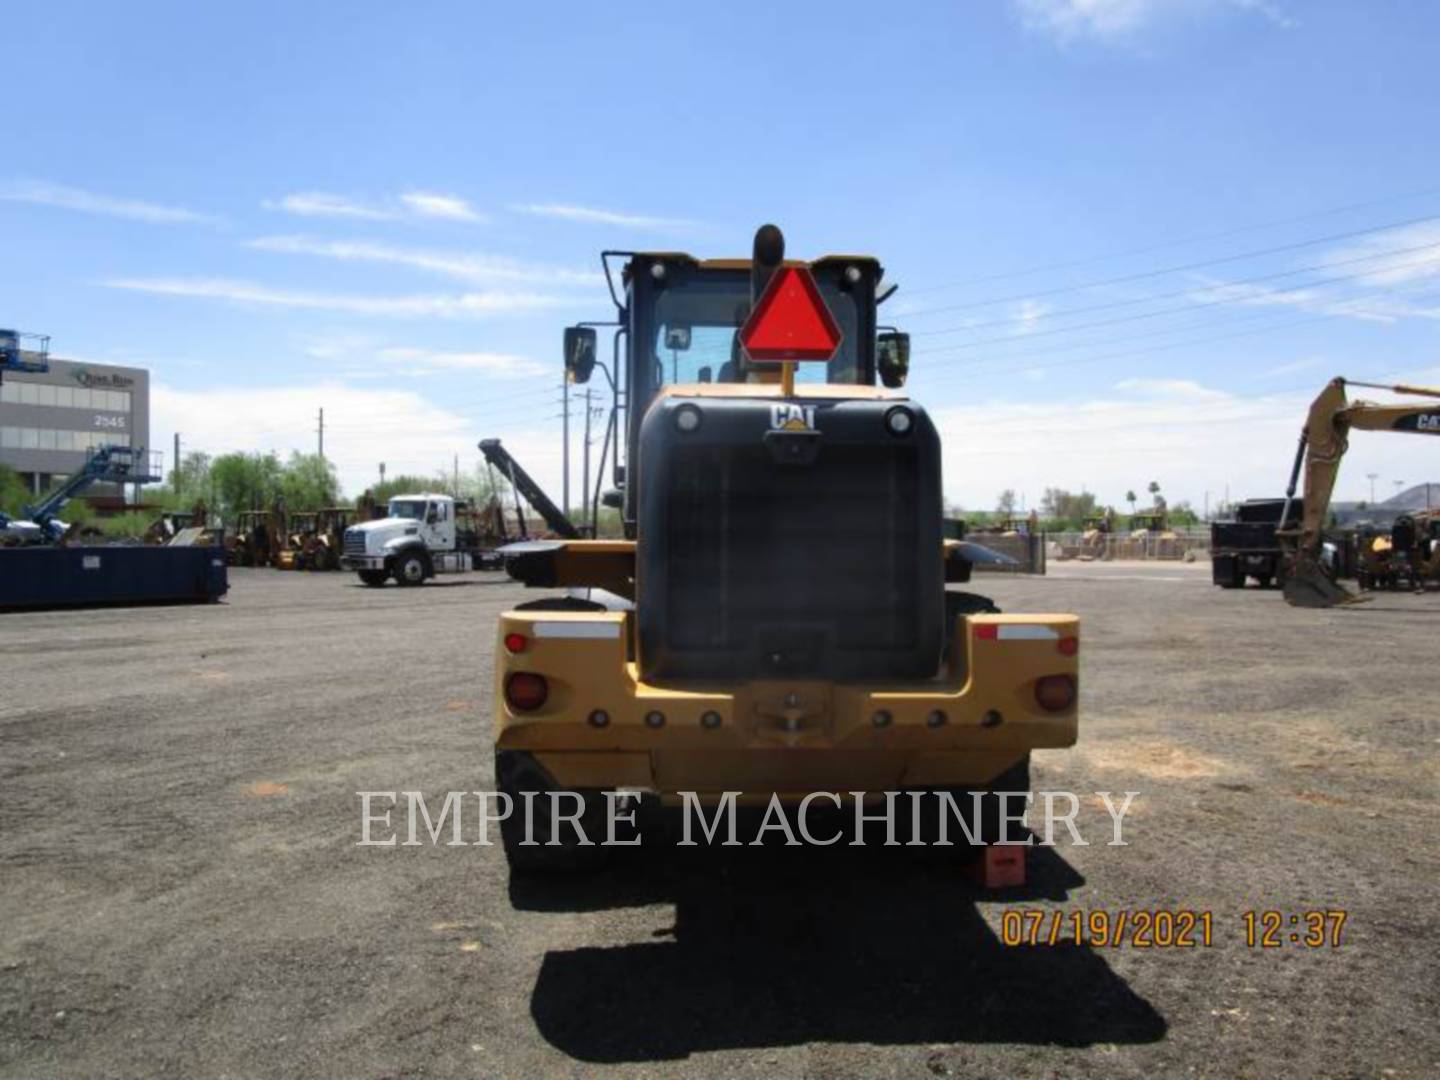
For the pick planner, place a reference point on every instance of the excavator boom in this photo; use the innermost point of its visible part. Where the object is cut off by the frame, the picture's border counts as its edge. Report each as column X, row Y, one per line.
column 1323, row 443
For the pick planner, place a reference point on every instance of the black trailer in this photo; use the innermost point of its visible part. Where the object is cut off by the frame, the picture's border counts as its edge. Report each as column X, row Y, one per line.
column 1247, row 547
column 47, row 576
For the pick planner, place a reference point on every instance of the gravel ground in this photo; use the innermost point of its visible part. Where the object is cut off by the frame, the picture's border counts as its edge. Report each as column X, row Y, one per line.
column 183, row 896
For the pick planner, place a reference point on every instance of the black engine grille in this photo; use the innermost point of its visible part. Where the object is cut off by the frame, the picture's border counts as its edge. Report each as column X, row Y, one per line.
column 830, row 569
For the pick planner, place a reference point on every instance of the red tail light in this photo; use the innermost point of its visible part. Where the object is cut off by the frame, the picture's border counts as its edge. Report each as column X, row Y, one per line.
column 1068, row 646
column 516, row 643
column 1055, row 693
column 525, row 691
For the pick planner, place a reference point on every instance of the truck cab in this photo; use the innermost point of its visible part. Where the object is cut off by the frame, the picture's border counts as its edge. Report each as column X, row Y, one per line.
column 413, row 542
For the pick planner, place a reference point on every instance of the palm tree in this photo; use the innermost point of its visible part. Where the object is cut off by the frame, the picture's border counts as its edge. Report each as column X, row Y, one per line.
column 1130, row 498
column 1154, row 490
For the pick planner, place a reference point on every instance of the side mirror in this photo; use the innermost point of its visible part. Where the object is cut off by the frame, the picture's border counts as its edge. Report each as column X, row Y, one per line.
column 432, row 516
column 579, row 352
column 892, row 358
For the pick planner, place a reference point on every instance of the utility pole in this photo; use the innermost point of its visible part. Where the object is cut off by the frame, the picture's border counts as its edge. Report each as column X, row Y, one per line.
column 175, row 468
column 586, row 474
column 565, row 439
column 321, row 430
column 1372, row 478
column 456, row 484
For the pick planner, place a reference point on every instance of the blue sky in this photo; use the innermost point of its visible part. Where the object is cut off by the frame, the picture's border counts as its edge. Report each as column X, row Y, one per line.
column 1133, row 237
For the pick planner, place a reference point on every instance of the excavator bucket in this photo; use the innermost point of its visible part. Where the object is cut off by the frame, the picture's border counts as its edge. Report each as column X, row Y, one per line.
column 1312, row 588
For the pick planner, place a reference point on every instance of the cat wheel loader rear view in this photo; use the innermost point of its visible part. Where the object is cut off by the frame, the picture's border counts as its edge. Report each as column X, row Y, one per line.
column 776, row 620
column 1323, row 443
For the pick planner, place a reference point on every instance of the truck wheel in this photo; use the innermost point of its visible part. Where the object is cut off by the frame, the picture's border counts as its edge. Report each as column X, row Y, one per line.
column 409, row 569
column 373, row 578
column 517, row 774
column 1263, row 580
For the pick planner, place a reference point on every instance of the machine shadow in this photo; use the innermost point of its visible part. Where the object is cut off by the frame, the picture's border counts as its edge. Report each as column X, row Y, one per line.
column 783, row 947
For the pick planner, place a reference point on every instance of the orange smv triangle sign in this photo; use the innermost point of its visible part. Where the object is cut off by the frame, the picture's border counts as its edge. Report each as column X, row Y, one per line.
column 791, row 321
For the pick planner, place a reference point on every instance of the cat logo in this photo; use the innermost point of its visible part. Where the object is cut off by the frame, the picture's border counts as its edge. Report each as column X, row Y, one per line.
column 790, row 417
column 1428, row 422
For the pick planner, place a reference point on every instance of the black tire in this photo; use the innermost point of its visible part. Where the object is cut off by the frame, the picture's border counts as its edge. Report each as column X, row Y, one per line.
column 1014, row 779
column 373, row 578
column 1264, row 580
column 964, row 603
column 517, row 774
column 409, row 569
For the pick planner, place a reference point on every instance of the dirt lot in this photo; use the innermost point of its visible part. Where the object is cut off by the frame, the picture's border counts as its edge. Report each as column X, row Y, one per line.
column 182, row 893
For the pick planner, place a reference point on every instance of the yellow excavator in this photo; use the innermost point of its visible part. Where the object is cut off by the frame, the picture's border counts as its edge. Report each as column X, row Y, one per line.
column 1323, row 443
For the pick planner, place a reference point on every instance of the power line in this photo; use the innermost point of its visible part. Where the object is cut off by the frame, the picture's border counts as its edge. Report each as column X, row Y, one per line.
column 1146, row 249
column 1006, row 369
column 1191, row 290
column 1198, row 265
column 1177, row 310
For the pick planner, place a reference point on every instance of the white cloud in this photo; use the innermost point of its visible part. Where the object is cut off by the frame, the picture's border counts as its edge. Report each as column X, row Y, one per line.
column 458, row 306
column 1294, row 367
column 411, row 204
column 466, row 266
column 1116, row 20
column 363, row 427
column 324, row 204
column 593, row 216
column 432, row 204
column 89, row 202
column 1029, row 315
column 1190, row 437
column 1400, row 256
column 420, row 362
column 1173, row 389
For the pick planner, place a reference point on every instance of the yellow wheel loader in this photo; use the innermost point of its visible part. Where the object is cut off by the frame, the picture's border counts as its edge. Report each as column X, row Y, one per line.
column 775, row 623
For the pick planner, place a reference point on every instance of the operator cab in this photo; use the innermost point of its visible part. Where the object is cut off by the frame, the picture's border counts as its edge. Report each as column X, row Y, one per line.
column 679, row 322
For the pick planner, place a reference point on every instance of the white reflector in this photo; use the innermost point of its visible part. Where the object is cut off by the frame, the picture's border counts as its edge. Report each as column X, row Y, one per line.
column 1027, row 632
column 593, row 630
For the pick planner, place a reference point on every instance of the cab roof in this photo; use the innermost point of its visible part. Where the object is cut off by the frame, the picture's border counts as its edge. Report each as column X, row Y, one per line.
column 744, row 264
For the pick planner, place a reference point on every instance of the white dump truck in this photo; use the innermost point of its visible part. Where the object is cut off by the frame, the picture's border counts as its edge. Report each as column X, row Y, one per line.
column 418, row 538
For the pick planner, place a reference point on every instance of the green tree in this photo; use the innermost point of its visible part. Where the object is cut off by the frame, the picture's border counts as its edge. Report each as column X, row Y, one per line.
column 1183, row 513
column 308, row 482
column 407, row 485
column 13, row 493
column 191, row 479
column 1154, row 489
column 1066, row 507
column 1130, row 498
column 1007, row 502
column 242, row 481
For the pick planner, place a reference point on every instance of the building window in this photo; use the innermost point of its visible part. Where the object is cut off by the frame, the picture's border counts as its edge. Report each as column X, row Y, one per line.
column 16, row 392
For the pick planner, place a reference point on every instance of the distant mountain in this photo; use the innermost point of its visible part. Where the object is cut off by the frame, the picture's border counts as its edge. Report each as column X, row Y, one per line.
column 1419, row 497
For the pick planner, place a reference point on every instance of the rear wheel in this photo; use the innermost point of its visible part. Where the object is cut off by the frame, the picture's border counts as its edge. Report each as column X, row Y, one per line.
column 373, row 578
column 409, row 569
column 557, row 847
column 987, row 829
